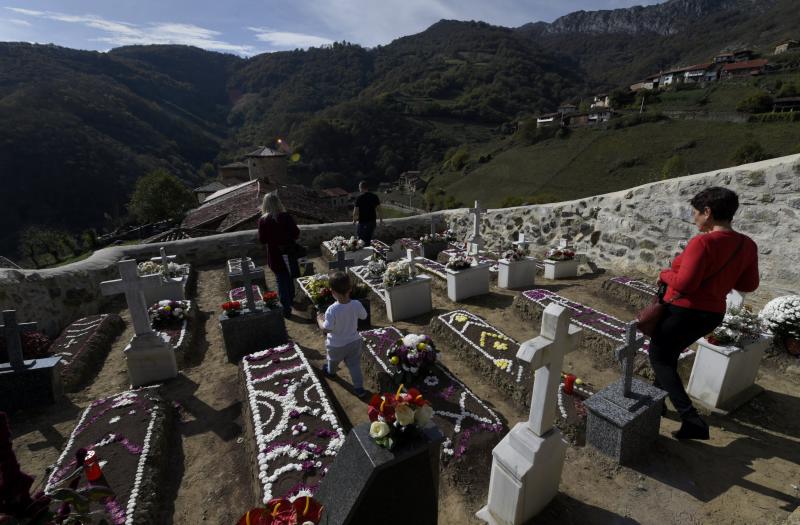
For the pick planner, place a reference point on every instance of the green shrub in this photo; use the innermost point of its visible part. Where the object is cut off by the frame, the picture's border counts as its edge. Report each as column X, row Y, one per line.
column 674, row 167
column 749, row 152
column 759, row 103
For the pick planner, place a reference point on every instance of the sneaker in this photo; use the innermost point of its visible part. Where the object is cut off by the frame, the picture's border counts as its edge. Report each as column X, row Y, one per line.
column 692, row 430
column 360, row 392
column 327, row 372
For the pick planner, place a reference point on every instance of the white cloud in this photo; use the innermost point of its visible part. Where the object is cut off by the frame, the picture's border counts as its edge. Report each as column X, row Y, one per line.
column 18, row 22
column 124, row 33
column 288, row 40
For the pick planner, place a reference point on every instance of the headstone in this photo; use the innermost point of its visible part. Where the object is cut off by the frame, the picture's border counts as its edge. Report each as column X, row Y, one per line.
column 234, row 267
column 341, row 262
column 370, row 484
column 565, row 243
column 163, row 258
column 522, row 242
column 249, row 277
column 527, row 464
column 436, row 221
column 150, row 358
column 476, row 242
column 624, row 417
column 25, row 384
column 173, row 289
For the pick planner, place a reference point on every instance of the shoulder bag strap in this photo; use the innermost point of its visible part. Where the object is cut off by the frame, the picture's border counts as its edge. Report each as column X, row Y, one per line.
column 719, row 270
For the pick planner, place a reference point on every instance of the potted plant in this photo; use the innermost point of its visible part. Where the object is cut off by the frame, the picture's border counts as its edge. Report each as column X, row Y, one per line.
column 560, row 263
column 516, row 269
column 398, row 416
column 271, row 300
column 466, row 277
column 727, row 361
column 407, row 294
column 781, row 316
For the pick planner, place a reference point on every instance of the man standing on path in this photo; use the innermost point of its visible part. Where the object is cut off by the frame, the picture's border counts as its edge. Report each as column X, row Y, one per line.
column 366, row 211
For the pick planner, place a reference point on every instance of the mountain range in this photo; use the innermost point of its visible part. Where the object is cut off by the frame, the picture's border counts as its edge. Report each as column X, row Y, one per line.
column 79, row 127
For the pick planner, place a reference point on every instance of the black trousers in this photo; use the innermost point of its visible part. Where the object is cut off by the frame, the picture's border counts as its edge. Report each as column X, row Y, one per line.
column 679, row 328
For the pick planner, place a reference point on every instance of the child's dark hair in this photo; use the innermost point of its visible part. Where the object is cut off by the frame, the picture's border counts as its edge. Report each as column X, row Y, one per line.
column 722, row 202
column 340, row 282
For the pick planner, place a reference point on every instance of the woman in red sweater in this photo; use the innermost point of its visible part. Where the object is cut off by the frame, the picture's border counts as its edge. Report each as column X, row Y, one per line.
column 712, row 264
column 278, row 231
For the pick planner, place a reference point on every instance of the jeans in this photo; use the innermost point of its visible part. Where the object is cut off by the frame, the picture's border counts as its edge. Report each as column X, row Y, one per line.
column 679, row 328
column 365, row 231
column 285, row 290
column 351, row 355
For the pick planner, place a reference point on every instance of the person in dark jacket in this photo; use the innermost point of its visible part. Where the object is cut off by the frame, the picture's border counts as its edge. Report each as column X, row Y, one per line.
column 278, row 232
column 366, row 213
column 712, row 264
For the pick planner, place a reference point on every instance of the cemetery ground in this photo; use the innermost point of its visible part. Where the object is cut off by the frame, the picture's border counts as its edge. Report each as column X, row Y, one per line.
column 746, row 474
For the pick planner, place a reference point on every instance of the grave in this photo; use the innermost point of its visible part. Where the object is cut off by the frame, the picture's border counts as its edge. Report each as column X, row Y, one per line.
column 256, row 325
column 176, row 280
column 129, row 432
column 723, row 376
column 26, row 383
column 402, row 301
column 560, row 269
column 527, row 464
column 486, row 349
column 431, row 245
column 331, row 248
column 516, row 274
column 469, row 282
column 292, row 432
column 603, row 332
column 470, row 427
column 148, row 357
column 235, row 279
column 370, row 484
column 475, row 243
column 435, row 269
column 636, row 293
column 384, row 251
column 83, row 347
column 341, row 263
column 624, row 417
column 178, row 333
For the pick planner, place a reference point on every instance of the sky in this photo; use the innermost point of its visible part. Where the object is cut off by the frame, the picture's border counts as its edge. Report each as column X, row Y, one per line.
column 249, row 27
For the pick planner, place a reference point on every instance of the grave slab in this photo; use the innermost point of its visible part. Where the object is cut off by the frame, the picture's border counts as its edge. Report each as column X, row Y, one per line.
column 292, row 432
column 636, row 293
column 470, row 282
column 369, row 484
column 723, row 377
column 516, row 274
column 560, row 269
column 329, row 253
column 235, row 279
column 175, row 288
column 249, row 332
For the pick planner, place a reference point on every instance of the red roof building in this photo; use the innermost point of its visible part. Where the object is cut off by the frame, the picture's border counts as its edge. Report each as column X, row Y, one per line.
column 747, row 68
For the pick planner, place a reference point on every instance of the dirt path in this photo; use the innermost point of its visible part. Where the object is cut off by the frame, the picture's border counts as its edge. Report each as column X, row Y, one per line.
column 746, row 474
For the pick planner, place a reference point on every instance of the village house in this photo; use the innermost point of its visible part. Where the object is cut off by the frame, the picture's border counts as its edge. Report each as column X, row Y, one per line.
column 548, row 119
column 726, row 57
column 601, row 101
column 204, row 191
column 600, row 115
column 693, row 74
column 567, row 109
column 337, row 197
column 267, row 163
column 743, row 69
column 649, row 83
column 234, row 173
column 411, row 182
column 787, row 46
column 783, row 104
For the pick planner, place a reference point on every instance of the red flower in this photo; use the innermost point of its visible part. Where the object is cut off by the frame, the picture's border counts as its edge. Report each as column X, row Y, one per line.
column 269, row 296
column 382, row 405
column 415, row 397
column 307, row 509
column 232, row 305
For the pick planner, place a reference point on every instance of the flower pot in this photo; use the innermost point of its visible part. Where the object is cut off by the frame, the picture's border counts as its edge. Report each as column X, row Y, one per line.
column 516, row 274
column 723, row 377
column 409, row 299
column 560, row 269
column 470, row 282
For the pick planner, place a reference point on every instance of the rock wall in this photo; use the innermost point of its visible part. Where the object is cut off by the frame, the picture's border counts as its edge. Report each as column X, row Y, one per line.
column 637, row 230
column 641, row 229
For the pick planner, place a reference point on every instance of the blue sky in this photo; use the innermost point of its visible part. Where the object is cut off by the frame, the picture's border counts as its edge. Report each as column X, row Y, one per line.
column 247, row 27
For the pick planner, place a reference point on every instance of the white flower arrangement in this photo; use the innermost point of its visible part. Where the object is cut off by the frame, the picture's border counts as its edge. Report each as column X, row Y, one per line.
column 739, row 327
column 340, row 243
column 399, row 272
column 460, row 261
column 782, row 316
column 150, row 267
column 376, row 267
column 559, row 254
column 514, row 254
column 432, row 238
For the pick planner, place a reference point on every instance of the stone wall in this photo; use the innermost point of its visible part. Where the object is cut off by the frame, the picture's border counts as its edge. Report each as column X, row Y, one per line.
column 637, row 230
column 641, row 229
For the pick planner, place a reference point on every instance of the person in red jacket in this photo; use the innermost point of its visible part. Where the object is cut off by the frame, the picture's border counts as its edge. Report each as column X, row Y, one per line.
column 278, row 231
column 712, row 264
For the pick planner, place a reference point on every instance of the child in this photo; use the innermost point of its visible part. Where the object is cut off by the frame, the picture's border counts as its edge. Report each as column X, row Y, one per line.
column 340, row 323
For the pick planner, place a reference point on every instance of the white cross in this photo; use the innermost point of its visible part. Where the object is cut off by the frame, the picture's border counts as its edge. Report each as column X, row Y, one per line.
column 248, row 276
column 13, row 334
column 546, row 354
column 565, row 243
column 341, row 263
column 133, row 287
column 476, row 241
column 522, row 242
column 626, row 353
column 734, row 300
column 164, row 258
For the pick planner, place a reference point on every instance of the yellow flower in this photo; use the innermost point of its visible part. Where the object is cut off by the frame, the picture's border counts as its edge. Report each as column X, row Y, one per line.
column 461, row 318
column 421, row 346
column 579, row 381
column 395, row 360
column 167, row 308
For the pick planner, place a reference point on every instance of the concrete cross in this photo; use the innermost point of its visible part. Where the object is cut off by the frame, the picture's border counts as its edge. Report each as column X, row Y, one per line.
column 565, row 243
column 626, row 353
column 522, row 242
column 133, row 287
column 250, row 274
column 410, row 256
column 546, row 354
column 436, row 221
column 164, row 259
column 13, row 334
column 341, row 263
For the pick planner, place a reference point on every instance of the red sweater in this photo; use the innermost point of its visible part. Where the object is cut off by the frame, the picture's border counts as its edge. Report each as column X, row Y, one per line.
column 276, row 234
column 704, row 255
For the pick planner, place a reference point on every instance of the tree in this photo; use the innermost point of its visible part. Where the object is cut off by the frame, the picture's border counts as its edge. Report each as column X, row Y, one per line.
column 749, row 152
column 38, row 241
column 159, row 196
column 674, row 167
column 759, row 103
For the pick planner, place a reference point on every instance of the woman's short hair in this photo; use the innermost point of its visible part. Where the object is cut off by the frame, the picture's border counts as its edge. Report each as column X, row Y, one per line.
column 272, row 205
column 722, row 202
column 340, row 282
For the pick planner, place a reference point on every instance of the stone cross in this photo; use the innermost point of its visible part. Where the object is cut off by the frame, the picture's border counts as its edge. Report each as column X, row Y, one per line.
column 133, row 287
column 436, row 221
column 341, row 263
column 476, row 241
column 13, row 332
column 546, row 354
column 522, row 242
column 248, row 276
column 626, row 353
column 565, row 243
column 410, row 256
column 164, row 258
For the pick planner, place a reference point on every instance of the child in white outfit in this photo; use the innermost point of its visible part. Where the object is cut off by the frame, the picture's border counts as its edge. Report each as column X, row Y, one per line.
column 340, row 324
